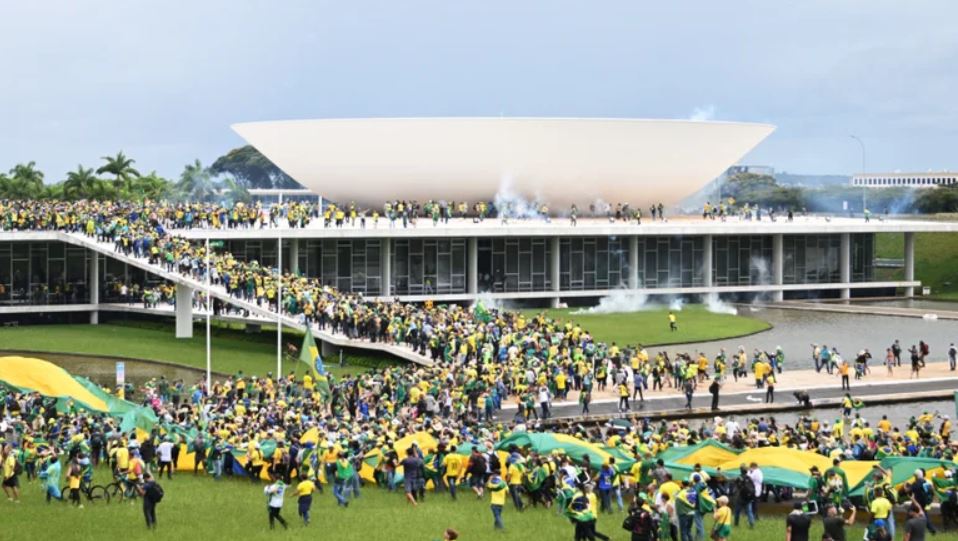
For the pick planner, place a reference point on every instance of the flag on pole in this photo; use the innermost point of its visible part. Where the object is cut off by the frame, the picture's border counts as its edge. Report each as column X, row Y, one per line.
column 309, row 354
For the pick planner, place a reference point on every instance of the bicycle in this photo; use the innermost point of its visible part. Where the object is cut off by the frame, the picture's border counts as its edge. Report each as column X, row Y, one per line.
column 122, row 489
column 93, row 493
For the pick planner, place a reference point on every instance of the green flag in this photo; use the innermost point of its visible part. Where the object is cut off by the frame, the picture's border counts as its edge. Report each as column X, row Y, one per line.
column 480, row 312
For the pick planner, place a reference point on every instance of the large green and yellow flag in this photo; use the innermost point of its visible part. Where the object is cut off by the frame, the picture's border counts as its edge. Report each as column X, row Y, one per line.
column 309, row 354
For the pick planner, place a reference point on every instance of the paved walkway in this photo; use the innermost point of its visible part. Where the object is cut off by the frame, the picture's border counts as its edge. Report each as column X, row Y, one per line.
column 935, row 377
column 867, row 309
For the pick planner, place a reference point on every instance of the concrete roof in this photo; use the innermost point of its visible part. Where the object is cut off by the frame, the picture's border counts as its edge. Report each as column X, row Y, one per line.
column 560, row 160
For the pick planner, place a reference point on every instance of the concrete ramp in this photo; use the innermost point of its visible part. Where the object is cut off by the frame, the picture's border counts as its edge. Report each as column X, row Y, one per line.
column 220, row 293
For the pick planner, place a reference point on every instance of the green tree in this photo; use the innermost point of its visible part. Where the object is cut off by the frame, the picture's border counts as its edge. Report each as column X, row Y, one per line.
column 937, row 199
column 24, row 182
column 151, row 186
column 121, row 167
column 80, row 184
column 251, row 169
column 196, row 183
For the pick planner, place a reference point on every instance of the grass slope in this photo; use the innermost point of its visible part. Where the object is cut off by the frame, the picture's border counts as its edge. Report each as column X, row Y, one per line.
column 936, row 260
column 200, row 508
column 232, row 350
column 651, row 327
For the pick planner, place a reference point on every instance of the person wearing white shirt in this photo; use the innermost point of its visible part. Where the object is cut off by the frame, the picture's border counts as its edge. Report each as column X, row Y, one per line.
column 544, row 398
column 165, row 453
column 758, row 478
column 274, row 498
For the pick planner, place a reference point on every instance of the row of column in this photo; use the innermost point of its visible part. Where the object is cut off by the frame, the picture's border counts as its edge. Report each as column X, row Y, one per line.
column 184, row 294
column 777, row 278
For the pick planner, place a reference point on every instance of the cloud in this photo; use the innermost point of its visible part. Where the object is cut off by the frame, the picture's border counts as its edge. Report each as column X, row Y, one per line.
column 702, row 114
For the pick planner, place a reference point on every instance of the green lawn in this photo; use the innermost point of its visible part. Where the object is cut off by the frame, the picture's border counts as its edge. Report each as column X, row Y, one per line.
column 936, row 260
column 651, row 327
column 200, row 508
column 232, row 349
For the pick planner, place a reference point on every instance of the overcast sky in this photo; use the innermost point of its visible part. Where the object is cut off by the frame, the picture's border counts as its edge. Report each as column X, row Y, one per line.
column 163, row 81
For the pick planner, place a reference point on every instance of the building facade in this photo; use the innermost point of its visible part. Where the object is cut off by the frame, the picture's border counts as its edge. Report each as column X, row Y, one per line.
column 908, row 180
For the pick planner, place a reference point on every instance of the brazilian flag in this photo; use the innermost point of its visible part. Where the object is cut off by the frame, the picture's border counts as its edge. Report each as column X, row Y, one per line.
column 309, row 354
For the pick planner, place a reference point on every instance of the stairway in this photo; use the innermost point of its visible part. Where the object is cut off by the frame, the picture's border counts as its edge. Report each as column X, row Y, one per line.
column 219, row 292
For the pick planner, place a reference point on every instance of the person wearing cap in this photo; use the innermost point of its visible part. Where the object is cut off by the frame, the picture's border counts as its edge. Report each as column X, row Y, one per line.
column 881, row 509
column 497, row 498
column 722, row 529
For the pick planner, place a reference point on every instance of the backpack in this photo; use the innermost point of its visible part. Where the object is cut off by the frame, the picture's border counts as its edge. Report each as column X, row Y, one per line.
column 641, row 524
column 156, row 492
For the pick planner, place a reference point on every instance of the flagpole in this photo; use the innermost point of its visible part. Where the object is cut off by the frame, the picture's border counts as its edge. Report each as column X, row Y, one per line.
column 279, row 310
column 209, row 312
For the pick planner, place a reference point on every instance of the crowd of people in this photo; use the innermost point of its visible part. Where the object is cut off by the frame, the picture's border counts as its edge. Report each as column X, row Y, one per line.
column 481, row 359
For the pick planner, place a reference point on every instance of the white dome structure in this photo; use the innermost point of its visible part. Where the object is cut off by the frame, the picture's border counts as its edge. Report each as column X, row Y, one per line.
column 556, row 160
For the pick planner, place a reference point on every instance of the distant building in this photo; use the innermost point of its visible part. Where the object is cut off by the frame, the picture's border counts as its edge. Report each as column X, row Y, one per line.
column 912, row 180
column 753, row 169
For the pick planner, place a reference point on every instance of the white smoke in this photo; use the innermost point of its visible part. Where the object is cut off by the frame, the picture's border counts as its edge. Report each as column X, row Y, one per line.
column 489, row 302
column 763, row 276
column 676, row 304
column 716, row 305
column 702, row 114
column 511, row 203
column 618, row 302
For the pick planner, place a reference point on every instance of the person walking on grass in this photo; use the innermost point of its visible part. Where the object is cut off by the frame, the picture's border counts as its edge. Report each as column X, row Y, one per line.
column 304, row 500
column 673, row 322
column 152, row 494
column 722, row 529
column 11, row 474
column 497, row 498
column 275, row 493
column 412, row 474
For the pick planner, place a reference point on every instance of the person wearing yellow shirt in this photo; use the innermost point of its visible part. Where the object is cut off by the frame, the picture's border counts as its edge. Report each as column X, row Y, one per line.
column 561, row 388
column 514, row 473
column 74, row 474
column 11, row 481
column 624, row 397
column 670, row 487
column 497, row 498
column 304, row 498
column 121, row 456
column 723, row 519
column 452, row 465
column 770, row 387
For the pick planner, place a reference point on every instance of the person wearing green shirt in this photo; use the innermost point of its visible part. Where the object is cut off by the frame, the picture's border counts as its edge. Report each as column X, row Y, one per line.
column 344, row 474
column 836, row 469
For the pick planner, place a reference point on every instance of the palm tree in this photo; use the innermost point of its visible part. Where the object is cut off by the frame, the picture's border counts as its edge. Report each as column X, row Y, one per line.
column 25, row 182
column 122, row 170
column 196, row 182
column 80, row 184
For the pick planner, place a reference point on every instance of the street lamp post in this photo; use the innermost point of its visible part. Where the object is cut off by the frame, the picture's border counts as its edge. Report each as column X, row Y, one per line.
column 209, row 314
column 864, row 185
